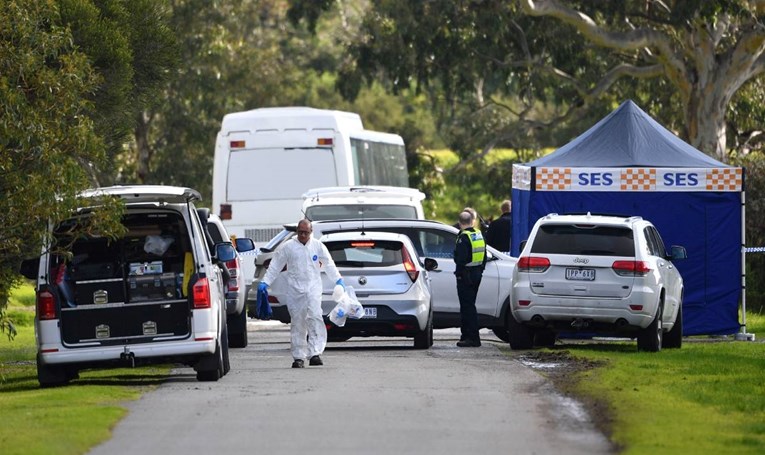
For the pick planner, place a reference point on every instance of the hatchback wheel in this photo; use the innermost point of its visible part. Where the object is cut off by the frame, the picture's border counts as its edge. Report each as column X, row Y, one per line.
column 424, row 339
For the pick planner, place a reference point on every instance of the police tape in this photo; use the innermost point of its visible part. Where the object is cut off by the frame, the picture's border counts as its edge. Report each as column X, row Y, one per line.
column 756, row 249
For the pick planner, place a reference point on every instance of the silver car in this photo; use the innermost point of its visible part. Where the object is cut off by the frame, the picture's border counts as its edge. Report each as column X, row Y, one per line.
column 389, row 280
column 431, row 239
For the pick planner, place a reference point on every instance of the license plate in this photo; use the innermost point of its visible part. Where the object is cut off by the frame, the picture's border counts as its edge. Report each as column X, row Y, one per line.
column 580, row 274
column 370, row 312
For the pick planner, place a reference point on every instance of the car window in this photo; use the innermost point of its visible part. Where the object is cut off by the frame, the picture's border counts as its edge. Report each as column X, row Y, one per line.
column 365, row 253
column 215, row 233
column 345, row 212
column 584, row 239
column 653, row 234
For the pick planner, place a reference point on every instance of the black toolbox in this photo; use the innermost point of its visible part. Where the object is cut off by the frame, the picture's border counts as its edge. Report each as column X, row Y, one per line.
column 151, row 287
column 89, row 292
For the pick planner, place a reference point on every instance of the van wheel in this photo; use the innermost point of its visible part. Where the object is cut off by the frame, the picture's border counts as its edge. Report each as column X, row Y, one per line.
column 210, row 367
column 52, row 376
column 237, row 335
column 520, row 336
column 649, row 338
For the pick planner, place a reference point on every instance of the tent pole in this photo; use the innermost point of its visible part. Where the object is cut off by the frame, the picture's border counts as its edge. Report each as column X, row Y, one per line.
column 742, row 335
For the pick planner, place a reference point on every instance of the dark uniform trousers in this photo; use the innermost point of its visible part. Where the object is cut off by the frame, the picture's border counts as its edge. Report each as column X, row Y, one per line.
column 467, row 291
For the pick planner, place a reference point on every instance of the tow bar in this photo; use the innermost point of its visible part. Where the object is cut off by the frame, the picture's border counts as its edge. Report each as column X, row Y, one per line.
column 128, row 357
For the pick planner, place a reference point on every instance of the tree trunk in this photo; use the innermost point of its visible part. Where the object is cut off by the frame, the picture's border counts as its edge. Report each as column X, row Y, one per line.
column 143, row 150
column 705, row 120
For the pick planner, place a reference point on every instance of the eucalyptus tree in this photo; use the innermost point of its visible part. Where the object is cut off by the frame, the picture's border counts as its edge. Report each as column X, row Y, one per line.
column 707, row 50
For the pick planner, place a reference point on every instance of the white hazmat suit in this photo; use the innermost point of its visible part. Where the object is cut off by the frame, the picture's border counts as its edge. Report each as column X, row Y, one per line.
column 303, row 292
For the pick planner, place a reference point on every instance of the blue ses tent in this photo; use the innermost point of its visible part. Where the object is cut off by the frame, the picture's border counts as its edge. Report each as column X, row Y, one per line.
column 629, row 164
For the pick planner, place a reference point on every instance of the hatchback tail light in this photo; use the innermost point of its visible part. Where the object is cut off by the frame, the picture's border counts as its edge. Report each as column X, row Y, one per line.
column 533, row 264
column 411, row 269
column 631, row 268
column 201, row 294
column 46, row 305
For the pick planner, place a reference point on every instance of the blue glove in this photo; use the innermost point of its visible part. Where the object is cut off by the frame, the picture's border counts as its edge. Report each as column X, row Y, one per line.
column 340, row 282
column 262, row 286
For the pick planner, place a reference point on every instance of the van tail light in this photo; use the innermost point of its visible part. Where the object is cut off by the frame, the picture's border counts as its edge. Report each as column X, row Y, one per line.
column 631, row 268
column 46, row 305
column 233, row 270
column 533, row 264
column 225, row 212
column 201, row 294
column 411, row 269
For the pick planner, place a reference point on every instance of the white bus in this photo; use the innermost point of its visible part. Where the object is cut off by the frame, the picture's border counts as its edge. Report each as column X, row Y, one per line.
column 265, row 159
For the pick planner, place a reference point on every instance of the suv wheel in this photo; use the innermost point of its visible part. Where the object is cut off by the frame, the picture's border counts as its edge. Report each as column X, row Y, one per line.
column 545, row 338
column 237, row 335
column 520, row 336
column 649, row 339
column 674, row 338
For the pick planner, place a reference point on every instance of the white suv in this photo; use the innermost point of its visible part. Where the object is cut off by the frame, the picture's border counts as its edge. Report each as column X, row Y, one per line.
column 597, row 274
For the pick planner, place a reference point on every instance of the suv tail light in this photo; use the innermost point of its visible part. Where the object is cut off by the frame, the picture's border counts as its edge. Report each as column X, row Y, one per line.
column 533, row 264
column 201, row 294
column 46, row 305
column 233, row 270
column 411, row 269
column 631, row 268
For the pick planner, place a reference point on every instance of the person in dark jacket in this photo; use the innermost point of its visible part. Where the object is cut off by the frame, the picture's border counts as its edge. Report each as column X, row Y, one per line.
column 498, row 234
column 469, row 260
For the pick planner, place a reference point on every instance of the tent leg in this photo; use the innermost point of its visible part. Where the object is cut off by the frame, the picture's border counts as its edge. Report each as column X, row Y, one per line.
column 742, row 335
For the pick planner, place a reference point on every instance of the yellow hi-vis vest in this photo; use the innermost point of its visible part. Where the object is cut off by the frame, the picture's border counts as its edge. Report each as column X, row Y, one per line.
column 478, row 246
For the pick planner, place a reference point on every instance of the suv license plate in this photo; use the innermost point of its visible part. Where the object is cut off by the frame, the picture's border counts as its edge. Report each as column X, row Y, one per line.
column 580, row 274
column 370, row 313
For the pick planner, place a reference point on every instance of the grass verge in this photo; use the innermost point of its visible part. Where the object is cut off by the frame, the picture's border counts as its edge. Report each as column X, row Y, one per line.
column 708, row 397
column 64, row 420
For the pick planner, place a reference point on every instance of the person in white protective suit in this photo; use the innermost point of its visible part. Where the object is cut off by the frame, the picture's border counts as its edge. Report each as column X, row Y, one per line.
column 305, row 258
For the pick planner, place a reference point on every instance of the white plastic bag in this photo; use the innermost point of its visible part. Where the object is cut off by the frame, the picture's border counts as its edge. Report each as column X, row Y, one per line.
column 347, row 306
column 156, row 244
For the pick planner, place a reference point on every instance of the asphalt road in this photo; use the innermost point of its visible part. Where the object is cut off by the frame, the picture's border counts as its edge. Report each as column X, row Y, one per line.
column 372, row 396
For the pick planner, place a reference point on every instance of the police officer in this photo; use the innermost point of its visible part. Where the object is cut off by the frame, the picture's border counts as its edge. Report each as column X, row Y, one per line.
column 469, row 258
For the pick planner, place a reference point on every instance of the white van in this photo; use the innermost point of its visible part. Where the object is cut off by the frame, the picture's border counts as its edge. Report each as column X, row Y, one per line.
column 156, row 294
column 265, row 159
column 356, row 202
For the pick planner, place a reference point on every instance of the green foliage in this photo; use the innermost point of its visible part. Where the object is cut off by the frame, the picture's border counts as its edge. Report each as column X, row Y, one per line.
column 133, row 49
column 47, row 143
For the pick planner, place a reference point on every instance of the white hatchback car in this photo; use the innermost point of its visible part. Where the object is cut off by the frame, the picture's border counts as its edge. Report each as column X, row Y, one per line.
column 363, row 201
column 390, row 282
column 606, row 275
column 431, row 239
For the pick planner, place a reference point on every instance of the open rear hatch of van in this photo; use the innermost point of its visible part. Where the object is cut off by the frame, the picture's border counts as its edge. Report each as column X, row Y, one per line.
column 129, row 290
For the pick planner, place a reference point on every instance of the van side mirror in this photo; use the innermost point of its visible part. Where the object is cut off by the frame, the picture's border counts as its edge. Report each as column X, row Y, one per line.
column 29, row 268
column 224, row 252
column 677, row 253
column 244, row 244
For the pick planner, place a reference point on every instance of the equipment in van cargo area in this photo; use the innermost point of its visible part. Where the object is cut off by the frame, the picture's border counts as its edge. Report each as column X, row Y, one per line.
column 158, row 286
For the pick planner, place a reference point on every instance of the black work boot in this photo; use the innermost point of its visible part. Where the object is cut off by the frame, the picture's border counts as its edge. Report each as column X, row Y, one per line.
column 315, row 361
column 298, row 363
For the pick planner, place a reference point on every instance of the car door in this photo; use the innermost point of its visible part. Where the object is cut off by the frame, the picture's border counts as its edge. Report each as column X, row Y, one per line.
column 670, row 276
column 439, row 245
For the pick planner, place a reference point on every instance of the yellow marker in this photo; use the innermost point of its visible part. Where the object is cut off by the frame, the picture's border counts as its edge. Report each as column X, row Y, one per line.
column 188, row 270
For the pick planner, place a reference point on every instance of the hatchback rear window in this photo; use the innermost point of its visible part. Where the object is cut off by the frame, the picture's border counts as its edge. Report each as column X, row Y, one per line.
column 584, row 240
column 366, row 253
